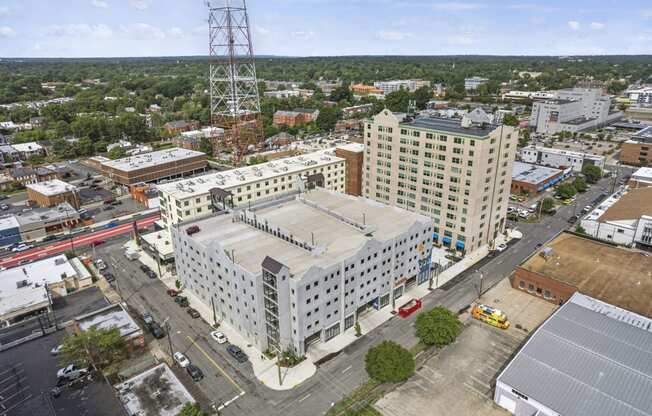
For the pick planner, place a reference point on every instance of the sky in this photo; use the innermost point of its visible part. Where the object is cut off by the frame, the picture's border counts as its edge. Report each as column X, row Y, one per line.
column 116, row 28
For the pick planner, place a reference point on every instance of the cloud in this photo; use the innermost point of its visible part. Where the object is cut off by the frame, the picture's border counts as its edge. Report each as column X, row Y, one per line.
column 460, row 40
column 597, row 25
column 457, row 7
column 143, row 31
column 7, row 32
column 262, row 31
column 574, row 25
column 301, row 34
column 100, row 4
column 532, row 7
column 393, row 35
column 139, row 4
column 81, row 30
column 176, row 32
column 4, row 11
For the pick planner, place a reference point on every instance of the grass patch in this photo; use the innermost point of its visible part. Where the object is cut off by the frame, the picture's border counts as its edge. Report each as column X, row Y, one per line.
column 364, row 393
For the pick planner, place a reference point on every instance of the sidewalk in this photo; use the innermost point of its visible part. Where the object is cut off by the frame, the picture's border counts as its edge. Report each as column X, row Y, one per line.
column 266, row 370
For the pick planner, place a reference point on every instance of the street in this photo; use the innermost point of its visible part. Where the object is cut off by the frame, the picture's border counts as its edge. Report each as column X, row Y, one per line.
column 227, row 380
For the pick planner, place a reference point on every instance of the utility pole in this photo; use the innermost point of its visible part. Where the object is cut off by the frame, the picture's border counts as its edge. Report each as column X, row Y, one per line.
column 481, row 283
column 54, row 316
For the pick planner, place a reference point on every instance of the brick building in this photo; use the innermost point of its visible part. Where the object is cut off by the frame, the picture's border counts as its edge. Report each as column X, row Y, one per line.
column 362, row 89
column 154, row 166
column 638, row 150
column 533, row 179
column 570, row 263
column 295, row 117
column 179, row 126
column 52, row 193
column 25, row 176
column 353, row 153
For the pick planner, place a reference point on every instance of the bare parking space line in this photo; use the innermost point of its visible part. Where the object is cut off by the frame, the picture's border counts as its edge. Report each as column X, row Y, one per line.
column 304, row 397
column 347, row 369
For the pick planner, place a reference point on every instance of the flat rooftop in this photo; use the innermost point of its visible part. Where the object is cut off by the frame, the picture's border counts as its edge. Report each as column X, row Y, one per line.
column 615, row 275
column 27, row 147
column 23, row 286
column 630, row 206
column 589, row 358
column 449, row 126
column 147, row 160
column 60, row 212
column 578, row 121
column 551, row 150
column 323, row 215
column 112, row 316
column 352, row 147
column 51, row 188
column 532, row 174
column 644, row 135
column 156, row 391
column 228, row 179
column 642, row 174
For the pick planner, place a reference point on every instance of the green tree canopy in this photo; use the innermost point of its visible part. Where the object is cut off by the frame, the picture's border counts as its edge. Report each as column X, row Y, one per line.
column 206, row 146
column 100, row 348
column 389, row 362
column 580, row 184
column 438, row 327
column 398, row 100
column 566, row 190
column 117, row 153
column 510, row 120
column 592, row 173
column 191, row 409
column 547, row 204
column 327, row 118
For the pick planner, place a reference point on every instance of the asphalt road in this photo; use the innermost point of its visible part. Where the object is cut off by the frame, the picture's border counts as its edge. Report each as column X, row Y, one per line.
column 337, row 377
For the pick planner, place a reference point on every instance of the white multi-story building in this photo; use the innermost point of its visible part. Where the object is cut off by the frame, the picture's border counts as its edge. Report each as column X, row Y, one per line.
column 641, row 95
column 455, row 171
column 472, row 84
column 303, row 269
column 557, row 158
column 625, row 218
column 192, row 198
column 572, row 110
column 408, row 84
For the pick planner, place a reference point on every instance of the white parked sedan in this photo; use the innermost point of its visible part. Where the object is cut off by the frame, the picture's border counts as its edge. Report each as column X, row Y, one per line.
column 501, row 247
column 219, row 337
column 181, row 359
column 56, row 350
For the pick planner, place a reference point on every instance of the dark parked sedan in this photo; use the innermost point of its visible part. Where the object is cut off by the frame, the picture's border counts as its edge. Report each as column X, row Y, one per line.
column 144, row 268
column 194, row 372
column 156, row 330
column 237, row 353
column 193, row 312
column 181, row 301
column 109, row 277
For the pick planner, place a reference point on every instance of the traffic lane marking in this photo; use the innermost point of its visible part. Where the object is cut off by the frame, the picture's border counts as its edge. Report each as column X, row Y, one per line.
column 210, row 359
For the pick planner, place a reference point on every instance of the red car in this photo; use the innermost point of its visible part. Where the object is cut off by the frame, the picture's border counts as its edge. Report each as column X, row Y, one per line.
column 97, row 243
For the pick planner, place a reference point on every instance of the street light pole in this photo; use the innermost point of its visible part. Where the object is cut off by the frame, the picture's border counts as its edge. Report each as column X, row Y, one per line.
column 48, row 294
column 481, row 283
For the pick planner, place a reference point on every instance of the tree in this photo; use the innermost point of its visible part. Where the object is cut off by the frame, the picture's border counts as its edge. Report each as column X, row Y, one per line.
column 566, row 190
column 422, row 96
column 358, row 330
column 580, row 184
column 206, row 146
column 592, row 173
column 341, row 93
column 438, row 327
column 398, row 100
column 100, row 348
column 510, row 120
column 579, row 229
column 191, row 409
column 327, row 119
column 117, row 153
column 547, row 204
column 389, row 362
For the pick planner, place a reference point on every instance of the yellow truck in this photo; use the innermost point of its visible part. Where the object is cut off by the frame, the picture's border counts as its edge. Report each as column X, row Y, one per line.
column 492, row 316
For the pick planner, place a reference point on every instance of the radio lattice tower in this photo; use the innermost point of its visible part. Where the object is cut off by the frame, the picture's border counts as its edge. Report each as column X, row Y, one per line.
column 235, row 103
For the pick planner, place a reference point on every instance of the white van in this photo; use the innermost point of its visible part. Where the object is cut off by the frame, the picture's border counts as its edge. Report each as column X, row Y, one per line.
column 131, row 254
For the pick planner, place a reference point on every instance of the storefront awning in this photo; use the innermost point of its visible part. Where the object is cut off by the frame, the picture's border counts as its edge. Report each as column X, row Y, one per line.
column 447, row 240
column 459, row 245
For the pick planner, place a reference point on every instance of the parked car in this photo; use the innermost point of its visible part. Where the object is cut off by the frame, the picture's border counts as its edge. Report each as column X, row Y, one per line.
column 71, row 372
column 586, row 209
column 97, row 243
column 108, row 208
column 193, row 313
column 151, row 274
column 4, row 207
column 56, row 350
column 173, row 292
column 181, row 359
column 109, row 277
column 501, row 247
column 182, row 301
column 50, row 238
column 156, row 330
column 144, row 268
column 22, row 247
column 99, row 263
column 219, row 337
column 194, row 372
column 148, row 318
column 237, row 353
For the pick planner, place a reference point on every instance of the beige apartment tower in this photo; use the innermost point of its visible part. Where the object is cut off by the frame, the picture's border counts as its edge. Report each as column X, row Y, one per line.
column 456, row 171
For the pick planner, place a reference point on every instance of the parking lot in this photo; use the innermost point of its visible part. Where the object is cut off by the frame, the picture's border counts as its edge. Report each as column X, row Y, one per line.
column 28, row 374
column 460, row 379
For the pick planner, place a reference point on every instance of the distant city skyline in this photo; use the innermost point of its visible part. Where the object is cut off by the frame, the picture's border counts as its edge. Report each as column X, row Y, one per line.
column 134, row 28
